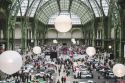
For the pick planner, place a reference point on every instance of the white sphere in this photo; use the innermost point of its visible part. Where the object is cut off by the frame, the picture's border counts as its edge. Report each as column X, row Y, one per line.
column 91, row 51
column 74, row 42
column 37, row 50
column 55, row 41
column 10, row 62
column 110, row 47
column 119, row 70
column 72, row 39
column 63, row 23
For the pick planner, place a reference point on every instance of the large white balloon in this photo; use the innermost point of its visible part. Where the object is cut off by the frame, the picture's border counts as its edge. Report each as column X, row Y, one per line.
column 63, row 23
column 10, row 62
column 37, row 50
column 91, row 51
column 55, row 41
column 72, row 39
column 74, row 42
column 119, row 70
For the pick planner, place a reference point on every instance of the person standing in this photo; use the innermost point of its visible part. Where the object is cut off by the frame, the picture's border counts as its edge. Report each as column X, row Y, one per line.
column 58, row 81
column 62, row 79
column 27, row 77
column 30, row 76
column 80, row 75
column 59, row 71
column 17, row 81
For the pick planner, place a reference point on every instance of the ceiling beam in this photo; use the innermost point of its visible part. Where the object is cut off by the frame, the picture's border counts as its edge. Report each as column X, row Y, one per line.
column 100, row 7
column 58, row 3
column 91, row 8
column 70, row 4
column 38, row 7
column 44, row 14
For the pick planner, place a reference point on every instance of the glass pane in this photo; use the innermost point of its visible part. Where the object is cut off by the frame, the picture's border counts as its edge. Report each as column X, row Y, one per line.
column 95, row 8
column 24, row 5
column 33, row 8
column 105, row 6
column 64, row 4
column 75, row 18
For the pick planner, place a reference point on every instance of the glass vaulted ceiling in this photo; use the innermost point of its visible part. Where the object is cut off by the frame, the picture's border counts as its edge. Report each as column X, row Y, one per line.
column 75, row 19
column 44, row 10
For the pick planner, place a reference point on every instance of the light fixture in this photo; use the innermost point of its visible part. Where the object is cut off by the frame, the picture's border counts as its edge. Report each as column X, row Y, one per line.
column 91, row 51
column 63, row 23
column 110, row 46
column 10, row 62
column 37, row 50
column 119, row 70
column 32, row 41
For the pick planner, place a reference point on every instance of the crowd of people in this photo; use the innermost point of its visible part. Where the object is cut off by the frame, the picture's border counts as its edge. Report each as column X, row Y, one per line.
column 26, row 75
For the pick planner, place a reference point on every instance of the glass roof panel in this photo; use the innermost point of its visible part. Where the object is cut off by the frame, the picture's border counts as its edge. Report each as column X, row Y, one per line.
column 24, row 5
column 75, row 19
column 48, row 11
column 33, row 8
column 85, row 18
column 65, row 13
column 51, row 7
column 86, row 2
column 64, row 4
column 43, row 17
column 105, row 7
column 95, row 8
column 30, row 2
column 98, row 1
column 74, row 7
